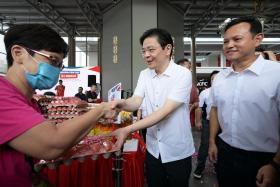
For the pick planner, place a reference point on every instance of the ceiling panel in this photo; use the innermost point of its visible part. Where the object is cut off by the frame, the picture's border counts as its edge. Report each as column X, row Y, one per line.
column 84, row 17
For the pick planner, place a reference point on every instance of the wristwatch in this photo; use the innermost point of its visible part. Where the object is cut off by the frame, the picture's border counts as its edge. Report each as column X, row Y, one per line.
column 276, row 166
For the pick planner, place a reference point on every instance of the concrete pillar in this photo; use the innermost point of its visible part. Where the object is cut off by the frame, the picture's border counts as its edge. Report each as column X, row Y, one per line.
column 169, row 19
column 144, row 17
column 193, row 57
column 72, row 52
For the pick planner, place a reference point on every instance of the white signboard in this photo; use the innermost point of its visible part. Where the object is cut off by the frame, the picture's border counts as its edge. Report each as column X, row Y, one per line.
column 73, row 78
column 115, row 92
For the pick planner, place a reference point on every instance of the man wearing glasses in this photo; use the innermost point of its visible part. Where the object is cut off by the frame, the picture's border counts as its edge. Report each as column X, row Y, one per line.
column 165, row 87
column 34, row 55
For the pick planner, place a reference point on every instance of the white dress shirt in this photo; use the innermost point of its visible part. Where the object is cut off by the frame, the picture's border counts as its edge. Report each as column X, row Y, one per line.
column 204, row 97
column 143, row 109
column 248, row 106
column 171, row 137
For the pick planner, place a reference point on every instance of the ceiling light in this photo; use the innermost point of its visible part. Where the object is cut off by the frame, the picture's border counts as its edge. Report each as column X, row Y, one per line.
column 216, row 41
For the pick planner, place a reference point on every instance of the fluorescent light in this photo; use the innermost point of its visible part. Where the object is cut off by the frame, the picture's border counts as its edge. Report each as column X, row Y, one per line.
column 214, row 41
column 200, row 58
column 188, row 40
column 89, row 39
column 271, row 40
column 83, row 39
column 209, row 39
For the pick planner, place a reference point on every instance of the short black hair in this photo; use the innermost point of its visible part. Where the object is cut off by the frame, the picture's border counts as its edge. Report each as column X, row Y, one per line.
column 49, row 93
column 255, row 24
column 163, row 37
column 181, row 61
column 213, row 73
column 260, row 49
column 34, row 36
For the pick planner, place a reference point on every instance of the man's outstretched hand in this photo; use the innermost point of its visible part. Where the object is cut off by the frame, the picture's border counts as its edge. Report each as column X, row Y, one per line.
column 120, row 134
column 117, row 104
column 108, row 113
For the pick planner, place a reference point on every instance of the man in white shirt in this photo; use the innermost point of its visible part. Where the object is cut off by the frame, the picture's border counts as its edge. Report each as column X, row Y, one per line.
column 166, row 87
column 246, row 105
column 141, row 113
column 202, row 122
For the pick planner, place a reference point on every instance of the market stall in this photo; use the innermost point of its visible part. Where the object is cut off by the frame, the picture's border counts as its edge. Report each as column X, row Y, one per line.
column 100, row 172
column 93, row 161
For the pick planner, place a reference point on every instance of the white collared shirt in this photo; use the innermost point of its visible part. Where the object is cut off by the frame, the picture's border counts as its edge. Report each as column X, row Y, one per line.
column 172, row 137
column 248, row 105
column 204, row 97
column 143, row 109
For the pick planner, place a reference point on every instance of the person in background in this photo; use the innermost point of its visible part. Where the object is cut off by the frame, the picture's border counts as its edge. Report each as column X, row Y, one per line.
column 35, row 54
column 246, row 107
column 49, row 93
column 193, row 105
column 268, row 55
column 92, row 94
column 60, row 88
column 202, row 122
column 165, row 87
column 80, row 94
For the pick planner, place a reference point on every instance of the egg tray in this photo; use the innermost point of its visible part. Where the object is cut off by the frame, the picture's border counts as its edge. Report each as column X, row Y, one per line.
column 92, row 147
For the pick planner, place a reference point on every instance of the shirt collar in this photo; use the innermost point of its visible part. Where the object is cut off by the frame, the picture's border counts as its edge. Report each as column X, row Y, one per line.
column 255, row 67
column 167, row 72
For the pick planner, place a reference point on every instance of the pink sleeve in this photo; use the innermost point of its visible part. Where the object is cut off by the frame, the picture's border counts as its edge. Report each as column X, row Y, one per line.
column 17, row 115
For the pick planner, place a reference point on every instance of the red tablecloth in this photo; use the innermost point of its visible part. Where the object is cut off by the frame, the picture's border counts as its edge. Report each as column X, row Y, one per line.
column 98, row 173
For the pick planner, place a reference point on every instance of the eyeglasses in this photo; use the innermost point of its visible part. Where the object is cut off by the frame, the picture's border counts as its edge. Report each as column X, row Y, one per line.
column 150, row 50
column 53, row 60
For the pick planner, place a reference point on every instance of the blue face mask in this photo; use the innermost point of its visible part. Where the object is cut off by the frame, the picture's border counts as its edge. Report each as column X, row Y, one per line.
column 46, row 77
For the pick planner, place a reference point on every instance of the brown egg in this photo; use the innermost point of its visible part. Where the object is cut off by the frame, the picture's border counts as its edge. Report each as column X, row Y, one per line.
column 96, row 147
column 107, row 145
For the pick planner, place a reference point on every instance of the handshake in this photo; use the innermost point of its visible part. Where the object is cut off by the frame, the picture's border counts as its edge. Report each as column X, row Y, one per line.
column 110, row 111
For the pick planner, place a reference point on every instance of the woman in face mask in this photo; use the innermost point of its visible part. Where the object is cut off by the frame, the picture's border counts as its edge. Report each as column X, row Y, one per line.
column 34, row 55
